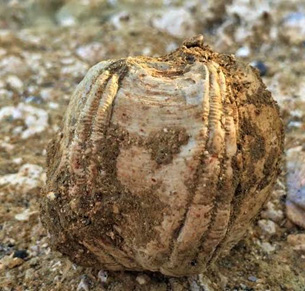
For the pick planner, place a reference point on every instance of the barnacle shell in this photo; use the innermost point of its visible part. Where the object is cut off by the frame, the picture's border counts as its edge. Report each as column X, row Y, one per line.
column 161, row 163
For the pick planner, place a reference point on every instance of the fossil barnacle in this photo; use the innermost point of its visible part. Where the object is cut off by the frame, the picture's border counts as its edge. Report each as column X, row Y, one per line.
column 161, row 163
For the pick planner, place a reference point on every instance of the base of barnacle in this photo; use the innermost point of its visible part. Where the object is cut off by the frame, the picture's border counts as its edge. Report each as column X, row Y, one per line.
column 84, row 255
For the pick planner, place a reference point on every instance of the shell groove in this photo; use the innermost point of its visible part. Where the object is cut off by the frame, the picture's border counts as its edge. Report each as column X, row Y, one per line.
column 161, row 163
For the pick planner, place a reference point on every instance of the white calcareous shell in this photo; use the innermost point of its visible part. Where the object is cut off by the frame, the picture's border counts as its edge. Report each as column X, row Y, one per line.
column 162, row 163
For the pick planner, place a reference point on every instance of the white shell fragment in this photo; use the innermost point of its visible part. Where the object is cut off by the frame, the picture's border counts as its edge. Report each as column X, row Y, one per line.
column 162, row 163
column 25, row 215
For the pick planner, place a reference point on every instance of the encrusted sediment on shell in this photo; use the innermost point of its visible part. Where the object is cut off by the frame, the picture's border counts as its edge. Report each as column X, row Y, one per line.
column 162, row 163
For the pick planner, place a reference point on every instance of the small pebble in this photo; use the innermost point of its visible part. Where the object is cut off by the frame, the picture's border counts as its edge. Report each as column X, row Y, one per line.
column 295, row 124
column 51, row 196
column 22, row 254
column 34, row 100
column 53, row 105
column 272, row 213
column 146, row 51
column 29, row 275
column 10, row 262
column 15, row 262
column 66, row 16
column 25, row 215
column 103, row 276
column 243, row 52
column 297, row 241
column 17, row 161
column 267, row 247
column 171, row 47
column 252, row 278
column 142, row 279
column 15, row 83
column 34, row 262
column 267, row 226
column 295, row 201
column 261, row 67
column 47, row 93
column 83, row 284
column 120, row 19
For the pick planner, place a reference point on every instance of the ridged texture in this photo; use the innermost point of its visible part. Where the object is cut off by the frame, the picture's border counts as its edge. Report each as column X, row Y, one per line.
column 161, row 163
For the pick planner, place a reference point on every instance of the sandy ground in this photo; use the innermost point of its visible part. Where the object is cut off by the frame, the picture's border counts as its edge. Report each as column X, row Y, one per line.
column 46, row 47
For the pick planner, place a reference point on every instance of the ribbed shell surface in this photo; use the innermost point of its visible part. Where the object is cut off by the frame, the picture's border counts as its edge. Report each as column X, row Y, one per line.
column 161, row 163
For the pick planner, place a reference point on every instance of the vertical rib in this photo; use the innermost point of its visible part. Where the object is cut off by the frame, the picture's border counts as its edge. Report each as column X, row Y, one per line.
column 226, row 188
column 200, row 208
column 77, row 149
column 100, row 124
column 104, row 111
